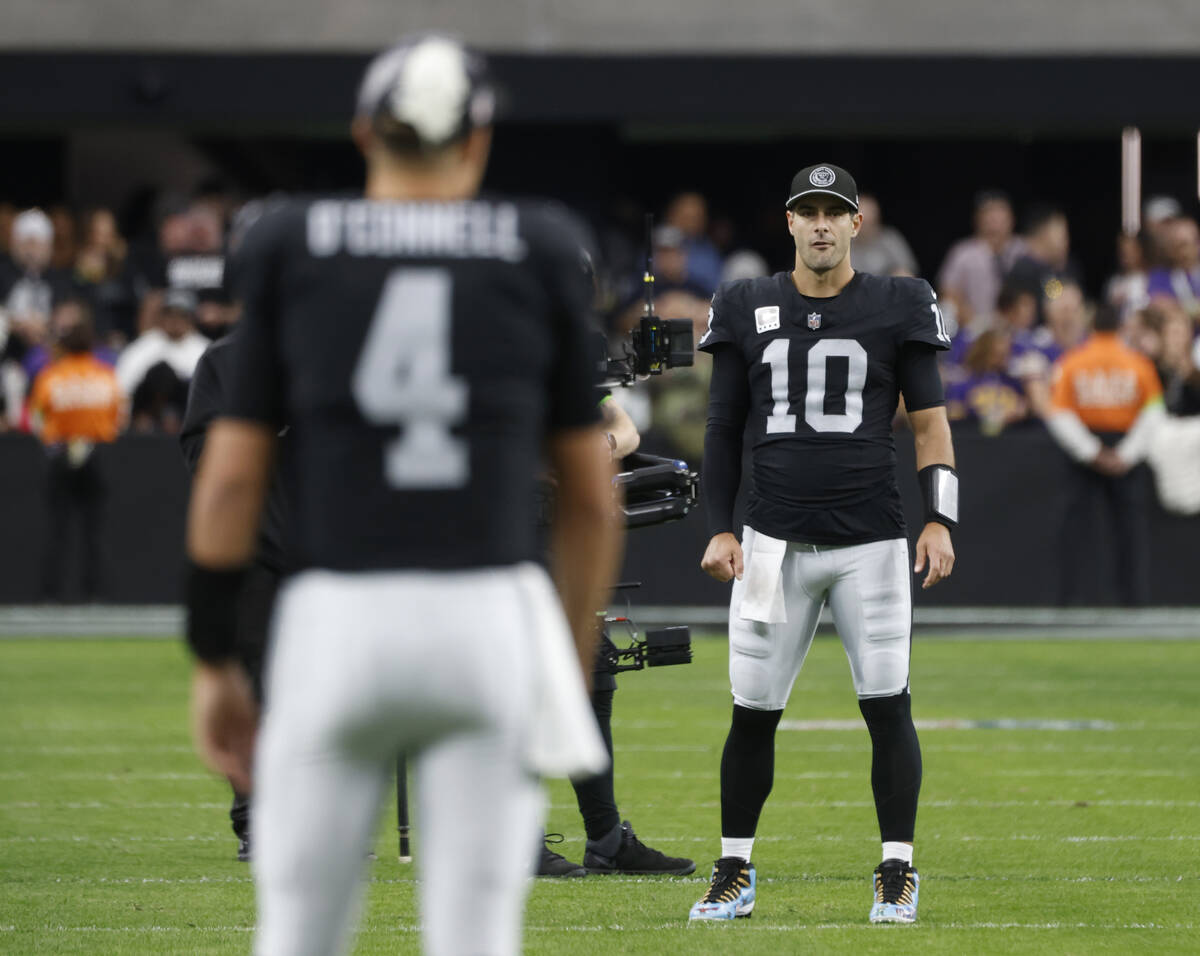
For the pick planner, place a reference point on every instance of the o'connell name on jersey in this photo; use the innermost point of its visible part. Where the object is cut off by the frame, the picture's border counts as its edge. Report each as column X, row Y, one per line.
column 823, row 392
column 419, row 354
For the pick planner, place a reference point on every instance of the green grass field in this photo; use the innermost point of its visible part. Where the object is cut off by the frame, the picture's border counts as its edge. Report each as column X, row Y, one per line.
column 1031, row 839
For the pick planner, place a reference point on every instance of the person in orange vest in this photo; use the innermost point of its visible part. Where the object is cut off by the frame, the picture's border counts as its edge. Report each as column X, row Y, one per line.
column 76, row 404
column 1105, row 402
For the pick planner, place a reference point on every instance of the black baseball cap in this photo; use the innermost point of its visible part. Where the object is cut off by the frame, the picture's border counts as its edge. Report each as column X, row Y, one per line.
column 824, row 178
column 433, row 83
column 180, row 300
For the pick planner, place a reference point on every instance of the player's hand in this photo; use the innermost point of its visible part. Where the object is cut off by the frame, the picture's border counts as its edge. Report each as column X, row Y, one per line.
column 723, row 557
column 224, row 720
column 935, row 548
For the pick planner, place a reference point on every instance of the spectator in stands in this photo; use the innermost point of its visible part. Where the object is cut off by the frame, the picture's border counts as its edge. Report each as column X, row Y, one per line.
column 973, row 270
column 1143, row 332
column 76, row 404
column 62, row 259
column 688, row 212
column 878, row 248
column 70, row 310
column 100, row 271
column 1126, row 290
column 1046, row 265
column 1157, row 211
column 1179, row 278
column 744, row 264
column 1036, row 350
column 1016, row 311
column 28, row 290
column 1106, row 402
column 155, row 369
column 8, row 213
column 1177, row 362
column 988, row 395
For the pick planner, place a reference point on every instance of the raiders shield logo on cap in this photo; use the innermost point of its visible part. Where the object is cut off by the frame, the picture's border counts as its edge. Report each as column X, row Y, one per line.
column 822, row 176
column 814, row 320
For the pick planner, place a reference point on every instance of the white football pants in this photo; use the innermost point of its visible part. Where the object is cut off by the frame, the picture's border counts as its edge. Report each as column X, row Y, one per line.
column 868, row 587
column 364, row 666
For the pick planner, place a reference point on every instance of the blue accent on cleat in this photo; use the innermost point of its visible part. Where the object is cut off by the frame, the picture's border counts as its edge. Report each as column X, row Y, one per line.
column 896, row 885
column 730, row 893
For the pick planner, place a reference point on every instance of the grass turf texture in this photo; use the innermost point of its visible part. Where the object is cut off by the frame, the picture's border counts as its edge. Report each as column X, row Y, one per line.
column 114, row 840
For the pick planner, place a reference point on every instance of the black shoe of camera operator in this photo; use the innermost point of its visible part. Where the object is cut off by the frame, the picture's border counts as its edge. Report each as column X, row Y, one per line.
column 620, row 851
column 555, row 864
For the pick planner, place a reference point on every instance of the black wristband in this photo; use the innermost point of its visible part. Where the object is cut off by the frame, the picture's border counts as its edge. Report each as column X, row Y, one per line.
column 939, row 492
column 212, row 601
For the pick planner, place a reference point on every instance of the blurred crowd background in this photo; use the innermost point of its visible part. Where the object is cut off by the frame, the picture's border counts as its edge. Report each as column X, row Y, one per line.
column 1012, row 291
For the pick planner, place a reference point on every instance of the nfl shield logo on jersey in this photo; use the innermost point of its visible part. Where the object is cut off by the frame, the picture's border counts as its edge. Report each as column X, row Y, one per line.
column 814, row 320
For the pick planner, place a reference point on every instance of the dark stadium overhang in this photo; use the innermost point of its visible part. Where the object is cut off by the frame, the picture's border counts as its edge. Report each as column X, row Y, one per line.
column 683, row 96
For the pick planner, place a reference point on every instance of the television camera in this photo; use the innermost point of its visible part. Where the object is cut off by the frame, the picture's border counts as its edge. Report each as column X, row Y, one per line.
column 653, row 345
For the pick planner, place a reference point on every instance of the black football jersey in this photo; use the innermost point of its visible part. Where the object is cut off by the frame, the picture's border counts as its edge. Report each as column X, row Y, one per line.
column 823, row 392
column 419, row 353
column 208, row 398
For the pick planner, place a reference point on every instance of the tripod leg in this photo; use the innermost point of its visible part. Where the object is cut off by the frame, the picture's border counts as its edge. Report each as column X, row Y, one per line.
column 402, row 824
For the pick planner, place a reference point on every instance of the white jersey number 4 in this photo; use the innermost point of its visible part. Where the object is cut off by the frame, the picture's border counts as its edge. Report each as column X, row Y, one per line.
column 403, row 378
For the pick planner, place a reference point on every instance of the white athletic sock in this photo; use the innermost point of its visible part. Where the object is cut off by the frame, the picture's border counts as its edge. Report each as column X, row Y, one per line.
column 898, row 851
column 737, row 846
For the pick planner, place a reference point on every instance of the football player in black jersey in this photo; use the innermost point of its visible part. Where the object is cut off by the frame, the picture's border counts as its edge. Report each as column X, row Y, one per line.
column 424, row 347
column 272, row 560
column 208, row 396
column 810, row 364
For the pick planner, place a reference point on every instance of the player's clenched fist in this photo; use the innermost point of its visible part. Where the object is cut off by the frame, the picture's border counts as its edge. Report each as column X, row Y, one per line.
column 723, row 557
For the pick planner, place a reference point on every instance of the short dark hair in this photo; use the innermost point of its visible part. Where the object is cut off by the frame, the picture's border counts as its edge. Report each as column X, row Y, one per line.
column 1106, row 319
column 1010, row 295
column 985, row 196
column 1041, row 214
column 81, row 335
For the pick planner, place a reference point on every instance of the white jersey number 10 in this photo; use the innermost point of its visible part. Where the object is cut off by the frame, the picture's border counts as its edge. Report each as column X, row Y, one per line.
column 781, row 421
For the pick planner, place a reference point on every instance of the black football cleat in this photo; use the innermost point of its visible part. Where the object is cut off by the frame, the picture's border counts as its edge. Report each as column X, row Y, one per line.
column 555, row 864
column 633, row 856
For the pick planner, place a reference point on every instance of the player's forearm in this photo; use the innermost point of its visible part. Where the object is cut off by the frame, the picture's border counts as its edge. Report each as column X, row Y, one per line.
column 587, row 549
column 728, row 407
column 721, row 473
column 931, row 437
column 625, row 436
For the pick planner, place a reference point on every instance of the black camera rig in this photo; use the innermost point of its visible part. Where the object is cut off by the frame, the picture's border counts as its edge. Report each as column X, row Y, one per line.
column 653, row 345
column 656, row 490
column 656, row 648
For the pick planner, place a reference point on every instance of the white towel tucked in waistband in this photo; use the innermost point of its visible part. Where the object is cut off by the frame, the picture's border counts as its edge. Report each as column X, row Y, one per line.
column 564, row 739
column 762, row 599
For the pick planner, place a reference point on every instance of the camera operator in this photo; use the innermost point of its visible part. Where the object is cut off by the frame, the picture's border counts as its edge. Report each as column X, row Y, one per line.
column 612, row 846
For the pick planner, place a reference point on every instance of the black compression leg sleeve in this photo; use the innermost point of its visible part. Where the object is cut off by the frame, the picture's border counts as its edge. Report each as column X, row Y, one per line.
column 747, row 769
column 895, row 765
column 595, row 796
column 239, row 815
